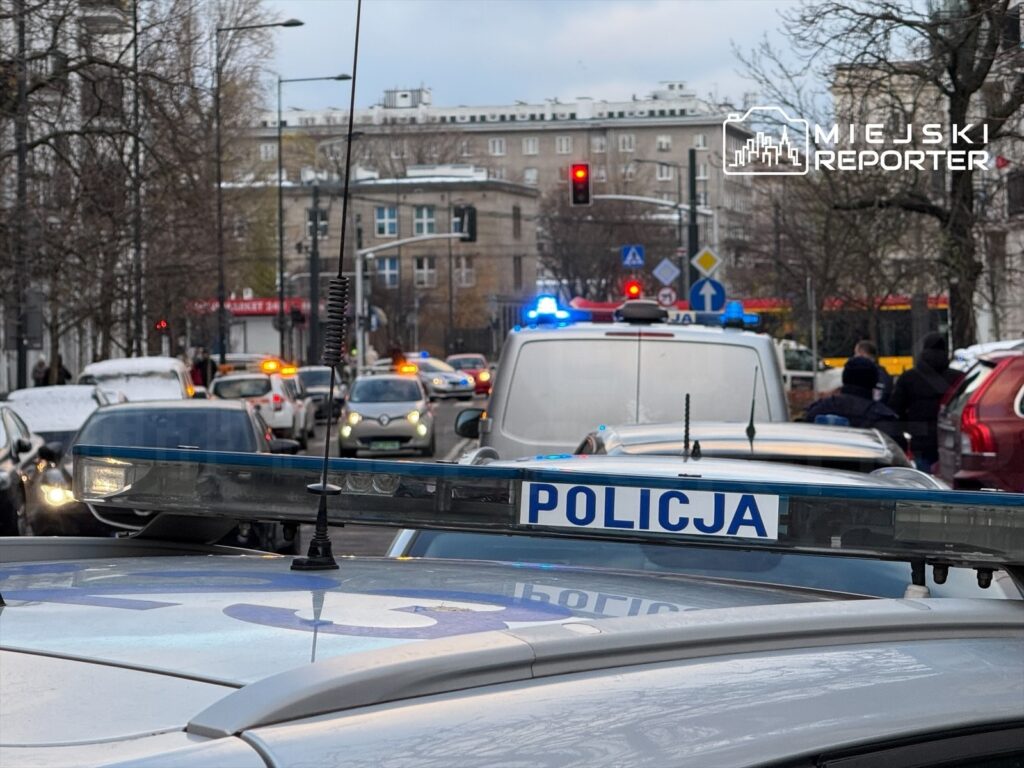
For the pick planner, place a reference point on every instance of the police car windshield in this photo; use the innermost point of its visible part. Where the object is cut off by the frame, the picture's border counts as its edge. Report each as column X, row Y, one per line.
column 385, row 391
column 208, row 429
column 235, row 388
column 316, row 378
column 433, row 365
column 554, row 402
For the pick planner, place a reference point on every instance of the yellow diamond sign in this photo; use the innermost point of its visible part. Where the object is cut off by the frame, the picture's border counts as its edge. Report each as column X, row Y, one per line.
column 706, row 262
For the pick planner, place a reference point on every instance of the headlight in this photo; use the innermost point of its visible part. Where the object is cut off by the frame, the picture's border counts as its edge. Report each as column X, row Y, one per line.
column 104, row 479
column 346, row 431
column 353, row 418
column 56, row 495
column 413, row 417
column 438, row 382
column 421, row 430
column 484, row 376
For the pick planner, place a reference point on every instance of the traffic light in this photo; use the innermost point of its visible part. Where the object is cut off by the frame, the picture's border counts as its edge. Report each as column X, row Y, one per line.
column 579, row 177
column 160, row 326
column 633, row 289
column 464, row 221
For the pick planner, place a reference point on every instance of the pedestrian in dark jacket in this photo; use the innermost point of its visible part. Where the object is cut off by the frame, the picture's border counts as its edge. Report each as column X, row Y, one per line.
column 206, row 367
column 62, row 376
column 916, row 397
column 856, row 402
column 883, row 389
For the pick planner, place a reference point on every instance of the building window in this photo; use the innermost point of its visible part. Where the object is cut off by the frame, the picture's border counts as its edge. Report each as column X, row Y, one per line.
column 397, row 151
column 496, row 173
column 702, row 170
column 598, row 144
column 387, row 221
column 664, row 143
column 627, row 142
column 531, row 145
column 307, row 121
column 600, row 173
column 664, row 172
column 387, row 271
column 563, row 145
column 1015, row 193
column 465, row 148
column 628, row 171
column 530, row 176
column 311, row 219
column 700, row 141
column 423, row 220
column 496, row 146
column 465, row 277
column 517, row 273
column 517, row 222
column 425, row 273
column 268, row 151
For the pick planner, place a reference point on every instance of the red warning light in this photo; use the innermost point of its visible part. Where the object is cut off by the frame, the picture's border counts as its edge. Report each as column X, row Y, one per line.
column 160, row 325
column 579, row 176
column 579, row 172
column 633, row 289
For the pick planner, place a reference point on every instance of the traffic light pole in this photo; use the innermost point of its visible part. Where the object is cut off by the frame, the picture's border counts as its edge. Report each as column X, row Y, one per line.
column 693, row 233
column 313, row 355
column 361, row 256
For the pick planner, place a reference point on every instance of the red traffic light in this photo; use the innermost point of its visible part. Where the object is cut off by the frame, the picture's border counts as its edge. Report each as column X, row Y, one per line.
column 633, row 289
column 579, row 177
column 160, row 325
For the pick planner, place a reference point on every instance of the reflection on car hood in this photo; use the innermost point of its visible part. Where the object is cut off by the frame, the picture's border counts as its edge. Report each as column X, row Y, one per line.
column 236, row 619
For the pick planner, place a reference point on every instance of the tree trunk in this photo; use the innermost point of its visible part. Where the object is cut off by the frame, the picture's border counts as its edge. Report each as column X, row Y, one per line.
column 961, row 260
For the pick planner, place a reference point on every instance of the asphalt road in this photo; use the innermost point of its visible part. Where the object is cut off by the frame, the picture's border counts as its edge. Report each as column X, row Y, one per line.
column 369, row 540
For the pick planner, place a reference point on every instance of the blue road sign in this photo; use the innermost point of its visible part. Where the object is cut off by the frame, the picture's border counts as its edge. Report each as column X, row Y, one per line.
column 707, row 295
column 632, row 255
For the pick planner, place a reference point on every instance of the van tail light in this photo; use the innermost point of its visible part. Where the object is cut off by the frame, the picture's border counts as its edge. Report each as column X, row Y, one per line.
column 277, row 402
column 975, row 436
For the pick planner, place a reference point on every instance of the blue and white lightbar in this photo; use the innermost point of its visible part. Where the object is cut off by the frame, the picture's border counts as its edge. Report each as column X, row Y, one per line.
column 971, row 529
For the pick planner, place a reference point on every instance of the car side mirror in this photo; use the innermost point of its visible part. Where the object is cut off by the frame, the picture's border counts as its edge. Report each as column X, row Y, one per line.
column 51, row 451
column 21, row 445
column 467, row 423
column 283, row 445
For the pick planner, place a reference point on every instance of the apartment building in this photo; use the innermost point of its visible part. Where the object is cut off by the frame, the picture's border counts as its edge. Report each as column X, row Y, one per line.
column 441, row 295
column 638, row 147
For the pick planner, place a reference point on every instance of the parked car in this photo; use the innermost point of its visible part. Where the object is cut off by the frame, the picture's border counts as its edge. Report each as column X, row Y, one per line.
column 981, row 425
column 846, row 448
column 201, row 425
column 386, row 413
column 317, row 381
column 141, row 378
column 477, row 367
column 19, row 467
column 965, row 357
column 277, row 401
column 57, row 413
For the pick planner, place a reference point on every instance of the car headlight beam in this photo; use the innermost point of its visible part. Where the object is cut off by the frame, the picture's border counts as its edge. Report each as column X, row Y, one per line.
column 353, row 418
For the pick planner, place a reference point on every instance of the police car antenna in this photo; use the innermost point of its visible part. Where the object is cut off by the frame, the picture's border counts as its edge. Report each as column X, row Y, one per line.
column 320, row 557
column 686, row 427
column 751, row 431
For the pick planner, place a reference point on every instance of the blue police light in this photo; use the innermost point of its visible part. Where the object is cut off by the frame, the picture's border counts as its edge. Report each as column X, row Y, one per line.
column 546, row 310
column 735, row 317
column 424, row 354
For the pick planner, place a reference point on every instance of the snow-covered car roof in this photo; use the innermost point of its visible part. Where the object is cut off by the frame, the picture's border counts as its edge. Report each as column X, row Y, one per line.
column 58, row 408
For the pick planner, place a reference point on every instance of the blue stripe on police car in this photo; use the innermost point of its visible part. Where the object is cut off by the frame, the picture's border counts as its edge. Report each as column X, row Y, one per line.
column 650, row 510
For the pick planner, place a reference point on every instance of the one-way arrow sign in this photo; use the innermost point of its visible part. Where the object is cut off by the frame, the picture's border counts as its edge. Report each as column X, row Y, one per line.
column 707, row 295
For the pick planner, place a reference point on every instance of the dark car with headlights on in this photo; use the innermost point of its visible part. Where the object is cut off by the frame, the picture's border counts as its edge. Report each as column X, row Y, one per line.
column 201, row 425
column 19, row 449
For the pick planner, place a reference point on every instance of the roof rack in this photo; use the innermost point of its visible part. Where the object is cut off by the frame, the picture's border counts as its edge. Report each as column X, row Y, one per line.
column 978, row 530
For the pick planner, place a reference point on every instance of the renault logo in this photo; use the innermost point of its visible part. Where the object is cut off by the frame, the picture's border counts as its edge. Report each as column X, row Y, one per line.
column 384, row 420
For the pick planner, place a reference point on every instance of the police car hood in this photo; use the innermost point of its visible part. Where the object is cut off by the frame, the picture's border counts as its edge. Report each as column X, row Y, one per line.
column 232, row 620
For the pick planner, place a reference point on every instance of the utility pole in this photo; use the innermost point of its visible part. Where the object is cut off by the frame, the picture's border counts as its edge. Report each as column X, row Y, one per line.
column 692, row 237
column 451, row 289
column 313, row 355
column 21, row 197
column 136, row 185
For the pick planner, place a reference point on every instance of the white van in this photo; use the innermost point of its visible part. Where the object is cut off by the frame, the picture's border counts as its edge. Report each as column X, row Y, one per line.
column 797, row 363
column 557, row 382
column 141, row 378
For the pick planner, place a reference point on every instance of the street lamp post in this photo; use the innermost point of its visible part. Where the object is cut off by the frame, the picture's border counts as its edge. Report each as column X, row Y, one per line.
column 280, row 200
column 221, row 312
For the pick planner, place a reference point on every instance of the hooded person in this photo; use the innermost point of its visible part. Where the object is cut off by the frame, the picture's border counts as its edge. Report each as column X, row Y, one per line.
column 917, row 395
column 855, row 403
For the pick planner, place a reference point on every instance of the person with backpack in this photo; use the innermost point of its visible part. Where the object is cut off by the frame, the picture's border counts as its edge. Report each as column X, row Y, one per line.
column 917, row 395
column 855, row 404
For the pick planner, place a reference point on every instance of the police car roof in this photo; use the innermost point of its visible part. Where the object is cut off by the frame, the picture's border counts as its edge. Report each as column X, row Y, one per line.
column 771, row 438
column 680, row 330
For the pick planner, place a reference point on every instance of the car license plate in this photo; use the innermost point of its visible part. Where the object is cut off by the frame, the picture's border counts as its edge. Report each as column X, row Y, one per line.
column 384, row 445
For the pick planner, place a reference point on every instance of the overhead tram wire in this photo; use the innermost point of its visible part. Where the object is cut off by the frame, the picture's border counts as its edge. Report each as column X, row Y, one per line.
column 320, row 557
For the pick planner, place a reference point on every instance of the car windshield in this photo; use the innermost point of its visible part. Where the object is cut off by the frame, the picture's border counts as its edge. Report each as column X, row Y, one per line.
column 230, row 389
column 467, row 363
column 207, row 429
column 385, row 391
column 315, row 378
column 432, row 365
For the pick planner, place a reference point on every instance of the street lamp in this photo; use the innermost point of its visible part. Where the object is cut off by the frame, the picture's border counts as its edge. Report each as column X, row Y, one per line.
column 280, row 200
column 221, row 312
column 684, row 266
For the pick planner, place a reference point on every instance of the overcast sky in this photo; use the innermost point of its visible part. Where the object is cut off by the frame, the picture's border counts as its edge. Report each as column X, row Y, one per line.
column 480, row 52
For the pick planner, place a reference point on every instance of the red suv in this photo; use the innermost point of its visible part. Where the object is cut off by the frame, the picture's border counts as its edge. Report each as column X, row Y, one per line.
column 477, row 367
column 981, row 426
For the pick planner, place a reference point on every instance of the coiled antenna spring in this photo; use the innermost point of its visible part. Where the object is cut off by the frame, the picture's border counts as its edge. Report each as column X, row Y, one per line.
column 336, row 327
